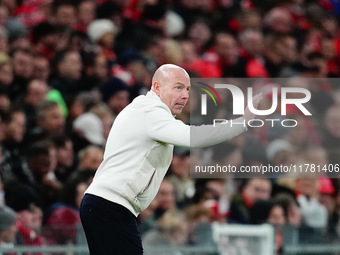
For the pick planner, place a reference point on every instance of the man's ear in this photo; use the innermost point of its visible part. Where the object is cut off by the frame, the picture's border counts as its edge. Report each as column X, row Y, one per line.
column 156, row 88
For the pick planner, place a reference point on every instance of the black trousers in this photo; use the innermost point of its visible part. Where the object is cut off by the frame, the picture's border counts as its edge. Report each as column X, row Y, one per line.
column 109, row 227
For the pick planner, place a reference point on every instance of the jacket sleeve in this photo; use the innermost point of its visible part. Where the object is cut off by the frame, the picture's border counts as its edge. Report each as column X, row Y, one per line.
column 163, row 127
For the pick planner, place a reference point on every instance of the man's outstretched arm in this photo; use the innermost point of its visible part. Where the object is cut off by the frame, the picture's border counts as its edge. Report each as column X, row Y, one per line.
column 161, row 126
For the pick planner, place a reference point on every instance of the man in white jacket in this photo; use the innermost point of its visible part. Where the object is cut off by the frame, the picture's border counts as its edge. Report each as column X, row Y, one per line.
column 137, row 155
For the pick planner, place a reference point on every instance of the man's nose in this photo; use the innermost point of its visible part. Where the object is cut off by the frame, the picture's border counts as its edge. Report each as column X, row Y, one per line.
column 185, row 94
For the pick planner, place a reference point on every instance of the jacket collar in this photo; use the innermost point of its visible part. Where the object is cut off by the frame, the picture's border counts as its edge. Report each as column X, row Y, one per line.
column 154, row 96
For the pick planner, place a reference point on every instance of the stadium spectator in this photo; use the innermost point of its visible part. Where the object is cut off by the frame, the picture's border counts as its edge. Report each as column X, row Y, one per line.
column 4, row 14
column 49, row 121
column 86, row 13
column 313, row 213
column 223, row 54
column 199, row 33
column 106, row 116
column 39, row 161
column 22, row 70
column 278, row 151
column 6, row 70
column 267, row 211
column 8, row 229
column 95, row 70
column 17, row 35
column 199, row 219
column 61, row 227
column 191, row 61
column 165, row 198
column 24, row 200
column 102, row 32
column 41, row 68
column 13, row 167
column 250, row 20
column 279, row 20
column 180, row 176
column 68, row 68
column 290, row 208
column 87, row 130
column 172, row 229
column 90, row 158
column 115, row 94
column 163, row 202
column 133, row 71
column 81, row 104
column 44, row 39
column 65, row 157
column 36, row 92
column 227, row 153
column 252, row 190
column 215, row 196
column 64, row 13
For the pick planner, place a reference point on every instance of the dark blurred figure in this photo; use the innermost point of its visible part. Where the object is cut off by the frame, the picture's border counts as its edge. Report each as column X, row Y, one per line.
column 23, row 71
column 26, row 202
column 95, row 71
column 65, row 157
column 13, row 166
column 39, row 160
column 252, row 190
column 68, row 66
column 36, row 92
column 115, row 94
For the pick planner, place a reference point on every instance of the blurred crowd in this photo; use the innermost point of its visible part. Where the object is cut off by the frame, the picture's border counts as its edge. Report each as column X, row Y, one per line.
column 67, row 68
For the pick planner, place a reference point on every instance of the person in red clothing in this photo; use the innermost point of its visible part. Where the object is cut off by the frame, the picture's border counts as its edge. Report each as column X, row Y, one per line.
column 331, row 51
column 199, row 33
column 33, row 12
column 86, row 13
column 279, row 20
column 251, row 44
column 44, row 37
column 62, row 226
column 192, row 62
column 223, row 53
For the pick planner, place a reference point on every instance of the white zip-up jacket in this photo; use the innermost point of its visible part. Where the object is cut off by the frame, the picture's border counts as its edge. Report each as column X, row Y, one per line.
column 139, row 151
